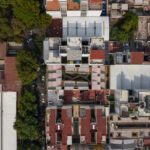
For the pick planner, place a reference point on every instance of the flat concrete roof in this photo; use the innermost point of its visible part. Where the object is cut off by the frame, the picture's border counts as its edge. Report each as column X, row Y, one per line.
column 130, row 77
column 9, row 134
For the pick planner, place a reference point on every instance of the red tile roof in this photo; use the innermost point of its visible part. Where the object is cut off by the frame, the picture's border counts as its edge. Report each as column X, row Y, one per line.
column 72, row 5
column 3, row 47
column 52, row 5
column 97, row 54
column 137, row 57
column 85, row 126
column 52, row 124
column 101, row 125
column 64, row 147
column 68, row 96
column 95, row 1
column 11, row 81
column 85, row 96
column 67, row 129
column 92, row 94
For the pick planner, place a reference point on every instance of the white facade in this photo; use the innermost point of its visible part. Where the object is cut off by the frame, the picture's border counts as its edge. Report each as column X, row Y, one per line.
column 130, row 77
column 8, row 135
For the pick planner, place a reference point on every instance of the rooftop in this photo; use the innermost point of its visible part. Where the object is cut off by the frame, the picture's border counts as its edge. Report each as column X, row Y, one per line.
column 143, row 27
column 52, row 5
column 130, row 77
column 97, row 54
column 12, row 81
column 65, row 122
column 137, row 57
column 73, row 4
column 86, row 27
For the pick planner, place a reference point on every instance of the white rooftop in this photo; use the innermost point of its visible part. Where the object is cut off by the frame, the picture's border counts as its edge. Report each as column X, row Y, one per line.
column 86, row 27
column 130, row 77
column 8, row 115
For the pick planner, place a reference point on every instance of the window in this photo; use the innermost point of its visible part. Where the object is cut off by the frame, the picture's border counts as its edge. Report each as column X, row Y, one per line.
column 111, row 134
column 119, row 134
column 134, row 134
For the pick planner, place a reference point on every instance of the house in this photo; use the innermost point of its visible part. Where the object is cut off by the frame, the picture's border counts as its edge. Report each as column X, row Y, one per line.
column 132, row 128
column 62, row 8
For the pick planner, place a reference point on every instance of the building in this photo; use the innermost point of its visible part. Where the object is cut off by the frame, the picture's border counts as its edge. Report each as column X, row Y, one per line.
column 60, row 97
column 62, row 8
column 72, row 125
column 8, row 71
column 130, row 77
column 86, row 27
column 74, row 51
column 136, row 128
column 8, row 135
column 79, row 77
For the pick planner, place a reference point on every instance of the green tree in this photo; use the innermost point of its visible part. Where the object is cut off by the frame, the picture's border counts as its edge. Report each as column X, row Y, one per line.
column 18, row 17
column 26, row 124
column 27, row 67
column 125, row 27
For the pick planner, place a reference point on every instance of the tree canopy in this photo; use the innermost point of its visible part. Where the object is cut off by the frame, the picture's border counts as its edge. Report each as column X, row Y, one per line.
column 27, row 121
column 124, row 29
column 20, row 16
column 27, row 67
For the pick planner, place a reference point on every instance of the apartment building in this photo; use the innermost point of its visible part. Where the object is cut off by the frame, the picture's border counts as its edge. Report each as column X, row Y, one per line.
column 74, row 51
column 137, row 128
column 78, row 124
column 80, row 77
